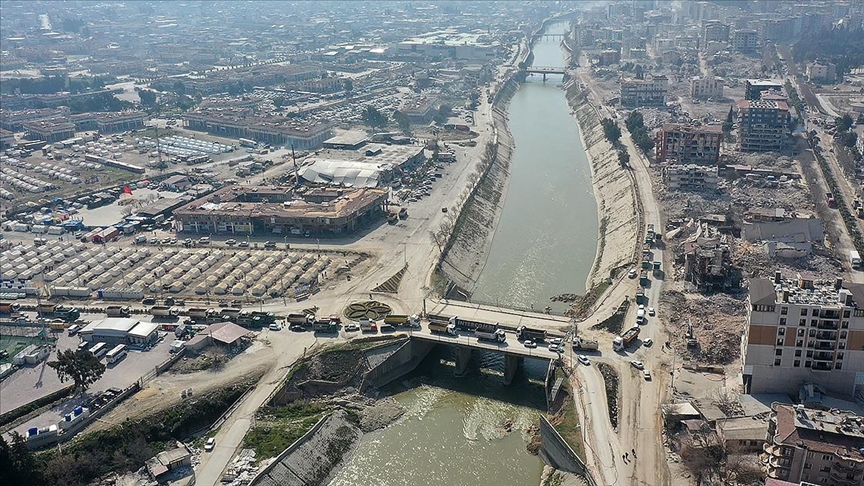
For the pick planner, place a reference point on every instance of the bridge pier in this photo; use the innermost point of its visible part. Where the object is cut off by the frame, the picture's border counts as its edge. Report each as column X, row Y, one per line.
column 511, row 366
column 463, row 356
column 544, row 77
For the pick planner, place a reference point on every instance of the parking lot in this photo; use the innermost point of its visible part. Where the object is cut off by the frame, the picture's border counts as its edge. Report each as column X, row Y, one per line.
column 35, row 381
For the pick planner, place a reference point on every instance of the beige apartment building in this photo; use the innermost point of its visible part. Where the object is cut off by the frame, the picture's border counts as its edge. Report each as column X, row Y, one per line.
column 809, row 446
column 803, row 330
column 706, row 87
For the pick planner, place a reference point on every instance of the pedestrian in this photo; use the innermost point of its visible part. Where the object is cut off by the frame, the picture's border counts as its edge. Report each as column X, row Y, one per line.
column 634, row 453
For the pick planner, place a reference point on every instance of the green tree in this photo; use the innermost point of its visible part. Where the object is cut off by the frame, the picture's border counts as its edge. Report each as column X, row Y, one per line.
column 278, row 101
column 640, row 72
column 148, row 97
column 80, row 366
column 402, row 120
column 843, row 122
column 373, row 117
column 17, row 463
column 348, row 85
column 611, row 130
column 623, row 158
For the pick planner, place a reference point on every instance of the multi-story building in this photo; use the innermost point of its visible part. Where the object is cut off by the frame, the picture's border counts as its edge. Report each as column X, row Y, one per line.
column 744, row 40
column 52, row 130
column 245, row 123
column 814, row 446
column 644, row 92
column 804, row 331
column 112, row 122
column 690, row 177
column 753, row 88
column 14, row 120
column 763, row 126
column 715, row 31
column 706, row 87
column 822, row 72
column 687, row 144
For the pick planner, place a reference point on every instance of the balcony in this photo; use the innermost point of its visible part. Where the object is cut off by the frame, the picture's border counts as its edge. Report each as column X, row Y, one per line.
column 843, row 480
column 823, row 357
column 821, row 366
column 826, row 336
column 825, row 345
column 779, row 462
column 856, row 469
column 830, row 314
column 826, row 325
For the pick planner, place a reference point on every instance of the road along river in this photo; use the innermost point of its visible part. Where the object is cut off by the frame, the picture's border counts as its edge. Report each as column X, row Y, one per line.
column 546, row 238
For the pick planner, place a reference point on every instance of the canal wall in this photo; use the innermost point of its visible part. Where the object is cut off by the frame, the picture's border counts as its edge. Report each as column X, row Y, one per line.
column 465, row 253
column 555, row 452
column 397, row 364
column 613, row 189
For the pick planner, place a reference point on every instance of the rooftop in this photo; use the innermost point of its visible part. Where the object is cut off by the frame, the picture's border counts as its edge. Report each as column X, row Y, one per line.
column 821, row 431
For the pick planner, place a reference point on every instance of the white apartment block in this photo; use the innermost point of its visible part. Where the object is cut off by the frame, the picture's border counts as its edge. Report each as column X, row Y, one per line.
column 644, row 92
column 804, row 330
column 706, row 87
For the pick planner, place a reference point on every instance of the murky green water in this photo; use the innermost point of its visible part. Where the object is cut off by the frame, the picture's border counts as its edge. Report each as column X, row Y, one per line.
column 546, row 239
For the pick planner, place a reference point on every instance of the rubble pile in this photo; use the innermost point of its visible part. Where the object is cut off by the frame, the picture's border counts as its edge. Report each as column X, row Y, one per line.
column 754, row 262
column 242, row 469
column 718, row 321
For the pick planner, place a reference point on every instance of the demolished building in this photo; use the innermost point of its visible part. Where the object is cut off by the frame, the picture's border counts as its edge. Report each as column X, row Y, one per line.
column 708, row 262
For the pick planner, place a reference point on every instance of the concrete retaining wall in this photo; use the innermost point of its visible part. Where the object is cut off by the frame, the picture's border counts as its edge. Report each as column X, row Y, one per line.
column 555, row 452
column 402, row 361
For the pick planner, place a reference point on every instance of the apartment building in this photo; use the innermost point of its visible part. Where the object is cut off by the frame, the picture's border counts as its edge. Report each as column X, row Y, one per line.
column 687, row 144
column 706, row 87
column 763, row 125
column 814, row 446
column 245, row 123
column 822, row 71
column 744, row 40
column 644, row 92
column 52, row 130
column 715, row 31
column 802, row 330
column 690, row 177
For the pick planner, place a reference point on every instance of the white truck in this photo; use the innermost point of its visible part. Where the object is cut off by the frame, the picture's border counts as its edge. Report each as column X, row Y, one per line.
column 855, row 259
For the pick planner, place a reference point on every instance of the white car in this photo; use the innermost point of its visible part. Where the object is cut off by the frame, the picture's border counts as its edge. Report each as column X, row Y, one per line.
column 352, row 327
column 557, row 341
column 553, row 347
column 651, row 311
column 632, row 273
column 647, row 375
column 210, row 444
column 584, row 360
column 637, row 364
column 529, row 344
column 275, row 327
column 648, row 342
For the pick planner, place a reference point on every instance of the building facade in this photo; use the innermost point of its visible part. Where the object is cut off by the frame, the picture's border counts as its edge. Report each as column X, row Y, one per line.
column 753, row 88
column 814, row 446
column 706, row 87
column 690, row 177
column 804, row 331
column 763, row 126
column 744, row 40
column 822, row 72
column 715, row 31
column 644, row 92
column 685, row 144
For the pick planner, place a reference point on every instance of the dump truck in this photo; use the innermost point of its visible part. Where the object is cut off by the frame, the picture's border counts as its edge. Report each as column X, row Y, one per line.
column 464, row 324
column 254, row 319
column 585, row 344
column 442, row 328
column 640, row 296
column 164, row 311
column 325, row 325
column 118, row 311
column 63, row 312
column 536, row 335
column 403, row 320
column 300, row 319
column 643, row 278
column 490, row 332
column 9, row 307
column 624, row 340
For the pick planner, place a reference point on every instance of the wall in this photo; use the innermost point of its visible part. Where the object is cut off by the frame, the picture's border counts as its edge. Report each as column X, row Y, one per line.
column 402, row 361
column 555, row 452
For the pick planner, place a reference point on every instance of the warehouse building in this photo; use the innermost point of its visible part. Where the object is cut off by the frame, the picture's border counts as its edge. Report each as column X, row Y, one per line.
column 120, row 330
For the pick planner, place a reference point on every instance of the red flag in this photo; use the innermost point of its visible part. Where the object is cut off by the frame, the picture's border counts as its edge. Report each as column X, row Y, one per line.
column 126, row 190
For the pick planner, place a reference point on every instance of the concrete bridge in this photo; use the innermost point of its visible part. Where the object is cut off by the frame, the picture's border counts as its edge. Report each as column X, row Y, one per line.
column 544, row 70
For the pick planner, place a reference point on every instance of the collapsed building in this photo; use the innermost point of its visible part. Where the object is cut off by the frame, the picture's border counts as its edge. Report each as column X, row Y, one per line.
column 708, row 262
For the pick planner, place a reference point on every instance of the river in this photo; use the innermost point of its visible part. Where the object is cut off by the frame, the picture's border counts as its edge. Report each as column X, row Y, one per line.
column 473, row 430
column 546, row 239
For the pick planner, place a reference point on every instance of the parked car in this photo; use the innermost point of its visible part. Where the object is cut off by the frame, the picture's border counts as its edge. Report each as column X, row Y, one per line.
column 231, row 242
column 210, row 444
column 637, row 364
column 584, row 360
column 275, row 327
column 651, row 311
column 632, row 273
column 647, row 375
column 553, row 347
column 529, row 343
column 352, row 327
column 243, row 244
column 557, row 341
column 648, row 342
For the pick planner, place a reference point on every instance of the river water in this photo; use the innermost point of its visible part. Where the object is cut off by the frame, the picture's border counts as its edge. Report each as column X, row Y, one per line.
column 473, row 430
column 546, row 239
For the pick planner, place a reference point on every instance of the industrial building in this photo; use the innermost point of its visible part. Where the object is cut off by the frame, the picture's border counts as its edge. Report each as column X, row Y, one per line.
column 372, row 165
column 120, row 330
column 282, row 211
column 763, row 125
column 688, row 144
column 802, row 330
column 813, row 446
column 644, row 92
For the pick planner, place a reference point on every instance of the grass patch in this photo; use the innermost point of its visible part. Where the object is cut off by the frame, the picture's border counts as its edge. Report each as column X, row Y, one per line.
column 568, row 421
column 277, row 428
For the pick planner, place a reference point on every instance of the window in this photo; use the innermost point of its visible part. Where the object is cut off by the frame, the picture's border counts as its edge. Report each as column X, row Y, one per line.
column 797, row 363
column 778, row 352
column 800, row 332
column 784, row 310
column 812, row 332
column 777, row 362
column 780, row 342
column 781, row 331
column 842, row 334
column 846, row 313
column 841, row 345
column 806, row 364
column 825, row 457
column 797, row 353
column 802, row 322
column 810, row 455
column 804, row 311
column 799, row 342
column 813, row 322
column 782, row 321
column 809, row 354
column 859, row 313
column 839, row 355
column 838, row 365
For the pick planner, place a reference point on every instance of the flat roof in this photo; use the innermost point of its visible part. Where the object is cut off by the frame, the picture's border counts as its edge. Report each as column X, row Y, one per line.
column 144, row 329
column 119, row 324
